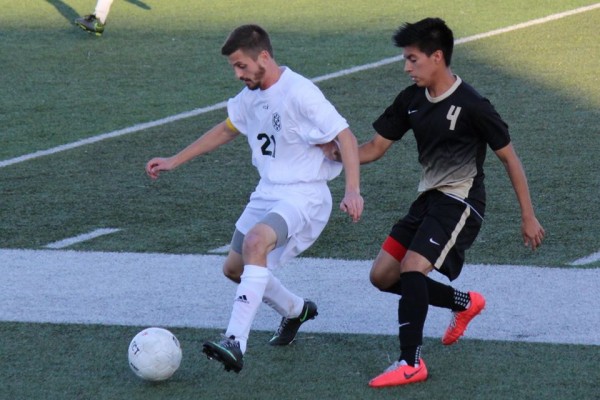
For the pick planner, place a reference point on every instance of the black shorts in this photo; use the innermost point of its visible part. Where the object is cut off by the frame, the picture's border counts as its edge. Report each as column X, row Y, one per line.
column 440, row 228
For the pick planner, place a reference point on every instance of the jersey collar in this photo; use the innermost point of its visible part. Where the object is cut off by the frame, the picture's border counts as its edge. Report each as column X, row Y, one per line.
column 446, row 94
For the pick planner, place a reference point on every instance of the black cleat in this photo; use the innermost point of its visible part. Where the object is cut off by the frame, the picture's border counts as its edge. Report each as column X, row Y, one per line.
column 288, row 328
column 90, row 24
column 227, row 352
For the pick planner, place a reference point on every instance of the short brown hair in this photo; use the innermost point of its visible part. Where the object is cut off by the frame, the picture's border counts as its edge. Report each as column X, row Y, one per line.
column 252, row 39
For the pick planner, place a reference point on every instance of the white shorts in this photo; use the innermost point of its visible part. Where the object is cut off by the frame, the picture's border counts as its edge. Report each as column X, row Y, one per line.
column 305, row 207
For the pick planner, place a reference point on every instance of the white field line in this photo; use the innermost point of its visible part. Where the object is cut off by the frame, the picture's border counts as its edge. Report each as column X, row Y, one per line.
column 113, row 134
column 61, row 244
column 523, row 303
column 220, row 250
column 587, row 260
column 218, row 106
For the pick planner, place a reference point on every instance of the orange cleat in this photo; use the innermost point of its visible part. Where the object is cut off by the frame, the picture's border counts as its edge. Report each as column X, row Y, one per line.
column 400, row 373
column 460, row 319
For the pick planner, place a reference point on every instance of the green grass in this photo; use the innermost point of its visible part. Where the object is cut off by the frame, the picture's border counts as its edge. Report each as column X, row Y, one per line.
column 90, row 362
column 160, row 58
column 554, row 128
column 155, row 63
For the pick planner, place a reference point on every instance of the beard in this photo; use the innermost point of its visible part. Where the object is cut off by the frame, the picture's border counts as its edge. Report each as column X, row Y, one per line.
column 255, row 82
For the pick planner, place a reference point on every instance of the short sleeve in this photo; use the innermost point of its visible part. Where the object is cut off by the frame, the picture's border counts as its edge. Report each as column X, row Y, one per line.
column 236, row 114
column 394, row 122
column 492, row 128
column 323, row 116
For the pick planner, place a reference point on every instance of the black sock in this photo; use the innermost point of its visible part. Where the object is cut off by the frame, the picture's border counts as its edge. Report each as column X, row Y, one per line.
column 410, row 354
column 412, row 311
column 395, row 288
column 460, row 300
column 440, row 295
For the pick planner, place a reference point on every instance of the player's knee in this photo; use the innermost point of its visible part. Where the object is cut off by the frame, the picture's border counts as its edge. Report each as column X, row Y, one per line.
column 233, row 267
column 414, row 262
column 232, row 274
column 255, row 244
column 378, row 280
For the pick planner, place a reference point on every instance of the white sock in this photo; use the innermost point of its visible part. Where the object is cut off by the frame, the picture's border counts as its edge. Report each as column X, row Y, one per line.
column 102, row 9
column 278, row 297
column 248, row 297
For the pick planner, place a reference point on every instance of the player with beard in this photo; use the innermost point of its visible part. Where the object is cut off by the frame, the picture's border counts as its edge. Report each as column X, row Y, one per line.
column 285, row 119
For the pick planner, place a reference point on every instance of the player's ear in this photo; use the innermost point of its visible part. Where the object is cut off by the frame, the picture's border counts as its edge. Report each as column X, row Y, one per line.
column 264, row 55
column 438, row 56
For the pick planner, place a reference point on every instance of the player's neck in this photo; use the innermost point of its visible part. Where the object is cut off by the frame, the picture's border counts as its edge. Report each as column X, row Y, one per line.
column 272, row 75
column 442, row 83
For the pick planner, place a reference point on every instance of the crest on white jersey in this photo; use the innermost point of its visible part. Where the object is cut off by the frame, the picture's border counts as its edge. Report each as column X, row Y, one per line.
column 276, row 122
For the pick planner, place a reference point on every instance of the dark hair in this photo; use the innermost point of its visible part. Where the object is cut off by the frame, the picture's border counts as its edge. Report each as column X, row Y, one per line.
column 252, row 39
column 428, row 35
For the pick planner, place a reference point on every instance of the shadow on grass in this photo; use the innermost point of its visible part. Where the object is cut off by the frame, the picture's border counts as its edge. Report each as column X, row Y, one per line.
column 64, row 9
column 70, row 14
column 140, row 4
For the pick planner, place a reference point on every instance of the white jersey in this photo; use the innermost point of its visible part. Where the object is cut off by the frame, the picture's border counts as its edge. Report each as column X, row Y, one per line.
column 283, row 124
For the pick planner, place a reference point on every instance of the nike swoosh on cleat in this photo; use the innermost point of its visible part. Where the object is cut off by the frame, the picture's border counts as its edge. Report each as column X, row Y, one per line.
column 303, row 318
column 228, row 352
column 408, row 376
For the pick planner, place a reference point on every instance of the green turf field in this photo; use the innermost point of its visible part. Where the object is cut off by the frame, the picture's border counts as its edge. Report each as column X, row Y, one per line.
column 158, row 59
column 87, row 362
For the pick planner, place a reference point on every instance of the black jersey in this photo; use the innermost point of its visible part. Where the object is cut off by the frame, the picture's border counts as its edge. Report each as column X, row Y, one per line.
column 452, row 133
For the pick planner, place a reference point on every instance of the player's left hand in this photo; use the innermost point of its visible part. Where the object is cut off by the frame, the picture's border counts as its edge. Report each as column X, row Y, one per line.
column 533, row 233
column 353, row 204
column 331, row 150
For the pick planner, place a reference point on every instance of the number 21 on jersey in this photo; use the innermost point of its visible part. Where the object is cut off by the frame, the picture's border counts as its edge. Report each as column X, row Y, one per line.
column 269, row 145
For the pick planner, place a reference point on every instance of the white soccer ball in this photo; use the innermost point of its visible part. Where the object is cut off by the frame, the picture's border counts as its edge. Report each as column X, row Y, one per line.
column 154, row 354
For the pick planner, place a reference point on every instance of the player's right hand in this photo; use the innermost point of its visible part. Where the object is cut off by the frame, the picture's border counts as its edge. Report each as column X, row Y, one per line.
column 353, row 204
column 154, row 166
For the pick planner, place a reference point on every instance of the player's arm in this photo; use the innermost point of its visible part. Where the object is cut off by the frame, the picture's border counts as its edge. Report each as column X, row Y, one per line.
column 370, row 151
column 348, row 147
column 219, row 135
column 532, row 230
column 374, row 149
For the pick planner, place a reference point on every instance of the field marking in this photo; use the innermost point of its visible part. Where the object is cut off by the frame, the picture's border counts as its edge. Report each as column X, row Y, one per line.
column 587, row 260
column 61, row 244
column 218, row 106
column 221, row 250
column 524, row 303
column 113, row 134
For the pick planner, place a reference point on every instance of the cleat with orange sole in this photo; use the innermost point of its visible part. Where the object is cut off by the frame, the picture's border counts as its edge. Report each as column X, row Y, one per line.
column 400, row 373
column 460, row 319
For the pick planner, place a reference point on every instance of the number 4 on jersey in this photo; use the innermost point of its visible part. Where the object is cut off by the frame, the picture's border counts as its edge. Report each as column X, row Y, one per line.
column 453, row 116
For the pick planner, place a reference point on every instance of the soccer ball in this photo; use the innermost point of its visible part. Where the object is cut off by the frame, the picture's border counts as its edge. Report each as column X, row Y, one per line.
column 154, row 354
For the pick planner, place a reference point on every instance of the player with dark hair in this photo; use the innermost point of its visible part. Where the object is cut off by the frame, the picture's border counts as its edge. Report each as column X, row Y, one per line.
column 453, row 125
column 285, row 119
column 251, row 38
